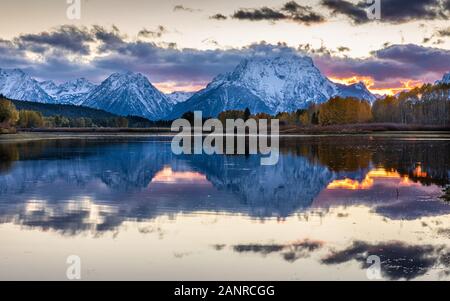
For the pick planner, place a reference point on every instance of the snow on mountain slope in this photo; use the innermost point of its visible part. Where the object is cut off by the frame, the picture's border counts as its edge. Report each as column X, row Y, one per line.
column 15, row 84
column 358, row 90
column 445, row 79
column 129, row 94
column 179, row 96
column 71, row 92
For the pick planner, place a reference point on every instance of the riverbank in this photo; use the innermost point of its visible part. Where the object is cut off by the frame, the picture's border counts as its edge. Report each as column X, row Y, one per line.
column 353, row 129
column 366, row 128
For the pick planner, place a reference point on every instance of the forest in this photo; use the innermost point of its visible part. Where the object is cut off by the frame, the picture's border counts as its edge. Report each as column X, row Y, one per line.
column 22, row 114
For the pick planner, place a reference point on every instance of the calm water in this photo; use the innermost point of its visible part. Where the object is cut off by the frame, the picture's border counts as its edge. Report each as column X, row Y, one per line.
column 132, row 210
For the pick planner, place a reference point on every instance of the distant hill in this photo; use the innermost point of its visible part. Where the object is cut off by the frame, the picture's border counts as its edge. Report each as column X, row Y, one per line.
column 71, row 111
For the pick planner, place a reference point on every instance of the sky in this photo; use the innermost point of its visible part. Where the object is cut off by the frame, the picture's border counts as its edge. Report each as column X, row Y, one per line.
column 182, row 45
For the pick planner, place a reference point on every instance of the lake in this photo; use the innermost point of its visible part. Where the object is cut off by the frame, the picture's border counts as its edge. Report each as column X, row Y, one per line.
column 132, row 210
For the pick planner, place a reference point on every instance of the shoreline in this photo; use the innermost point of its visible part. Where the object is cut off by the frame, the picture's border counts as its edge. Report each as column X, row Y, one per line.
column 34, row 136
column 372, row 130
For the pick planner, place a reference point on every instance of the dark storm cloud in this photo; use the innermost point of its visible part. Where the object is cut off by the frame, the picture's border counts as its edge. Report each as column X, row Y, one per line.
column 354, row 12
column 289, row 11
column 110, row 38
column 399, row 260
column 70, row 38
column 264, row 13
column 392, row 11
column 300, row 13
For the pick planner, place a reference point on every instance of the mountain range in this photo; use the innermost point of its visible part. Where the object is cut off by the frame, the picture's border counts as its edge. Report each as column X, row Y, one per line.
column 269, row 84
column 71, row 92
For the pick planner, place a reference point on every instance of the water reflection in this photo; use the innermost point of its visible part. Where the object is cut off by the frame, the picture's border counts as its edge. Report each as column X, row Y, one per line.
column 98, row 186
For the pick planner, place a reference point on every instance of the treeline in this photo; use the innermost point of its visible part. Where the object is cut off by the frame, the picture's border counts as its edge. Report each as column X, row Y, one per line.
column 33, row 119
column 335, row 111
column 429, row 104
column 11, row 117
column 426, row 105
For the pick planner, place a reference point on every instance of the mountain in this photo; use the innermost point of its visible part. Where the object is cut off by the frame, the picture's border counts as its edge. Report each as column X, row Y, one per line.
column 71, row 92
column 15, row 84
column 49, row 87
column 268, row 84
column 66, row 110
column 445, row 79
column 358, row 90
column 128, row 94
column 179, row 96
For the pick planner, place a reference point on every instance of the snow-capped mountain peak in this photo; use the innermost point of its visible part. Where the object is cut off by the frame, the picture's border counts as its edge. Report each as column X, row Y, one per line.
column 129, row 94
column 445, row 79
column 16, row 84
column 77, row 86
column 357, row 90
column 270, row 84
column 49, row 87
column 71, row 92
column 179, row 96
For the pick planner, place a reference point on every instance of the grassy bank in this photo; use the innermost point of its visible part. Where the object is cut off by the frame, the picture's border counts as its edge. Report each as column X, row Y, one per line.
column 362, row 128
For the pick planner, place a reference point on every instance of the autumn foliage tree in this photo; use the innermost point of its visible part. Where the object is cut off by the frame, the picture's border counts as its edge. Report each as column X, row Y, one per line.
column 344, row 111
column 8, row 113
column 30, row 119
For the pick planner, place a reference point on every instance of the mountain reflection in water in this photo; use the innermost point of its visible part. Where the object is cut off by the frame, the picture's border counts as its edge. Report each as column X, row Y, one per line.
column 98, row 186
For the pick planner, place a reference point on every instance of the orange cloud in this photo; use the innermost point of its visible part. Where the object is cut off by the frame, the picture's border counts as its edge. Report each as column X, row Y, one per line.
column 405, row 85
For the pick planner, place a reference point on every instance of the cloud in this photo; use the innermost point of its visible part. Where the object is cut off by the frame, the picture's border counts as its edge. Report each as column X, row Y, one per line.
column 390, row 64
column 157, row 33
column 354, row 12
column 289, row 11
column 444, row 32
column 399, row 260
column 186, row 9
column 97, row 51
column 290, row 252
column 67, row 37
column 264, row 13
column 110, row 39
column 343, row 49
column 218, row 17
column 392, row 11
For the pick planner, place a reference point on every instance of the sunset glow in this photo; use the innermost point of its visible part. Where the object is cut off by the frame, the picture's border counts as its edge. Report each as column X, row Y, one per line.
column 169, row 87
column 168, row 176
column 375, row 88
column 370, row 180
